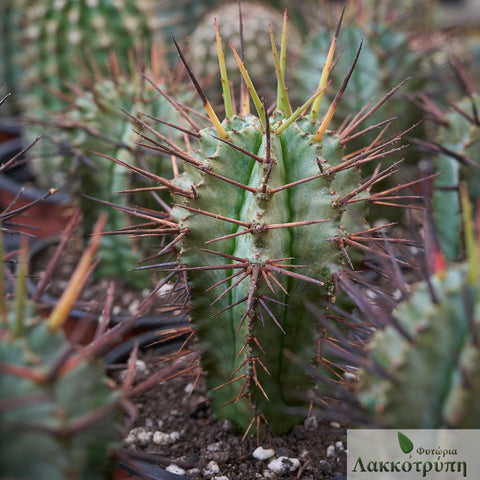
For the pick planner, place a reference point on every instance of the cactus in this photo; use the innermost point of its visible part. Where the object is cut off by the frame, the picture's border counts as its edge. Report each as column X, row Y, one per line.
column 388, row 58
column 96, row 126
column 263, row 215
column 59, row 43
column 60, row 419
column 255, row 16
column 60, row 40
column 457, row 160
column 9, row 54
column 422, row 369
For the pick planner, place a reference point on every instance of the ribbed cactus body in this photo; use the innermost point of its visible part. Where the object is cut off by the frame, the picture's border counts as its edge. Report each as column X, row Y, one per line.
column 435, row 375
column 60, row 418
column 40, row 418
column 265, row 214
column 275, row 315
column 61, row 39
column 97, row 125
column 457, row 161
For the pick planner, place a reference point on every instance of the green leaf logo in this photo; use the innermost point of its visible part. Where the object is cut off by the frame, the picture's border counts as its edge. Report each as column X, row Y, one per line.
column 405, row 443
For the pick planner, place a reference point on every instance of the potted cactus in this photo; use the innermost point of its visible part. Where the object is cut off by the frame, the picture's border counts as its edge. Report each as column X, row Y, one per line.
column 267, row 210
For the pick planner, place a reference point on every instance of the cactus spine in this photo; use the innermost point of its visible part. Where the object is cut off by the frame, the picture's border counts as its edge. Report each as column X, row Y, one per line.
column 264, row 214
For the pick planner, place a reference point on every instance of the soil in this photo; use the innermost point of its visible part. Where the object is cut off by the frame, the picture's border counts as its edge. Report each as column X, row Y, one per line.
column 175, row 429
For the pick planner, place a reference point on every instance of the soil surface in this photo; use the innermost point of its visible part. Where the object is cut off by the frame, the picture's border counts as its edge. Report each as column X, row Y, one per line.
column 175, row 429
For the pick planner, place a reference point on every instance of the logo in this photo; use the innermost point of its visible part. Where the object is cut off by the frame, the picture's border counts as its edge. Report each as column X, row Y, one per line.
column 412, row 454
column 405, row 443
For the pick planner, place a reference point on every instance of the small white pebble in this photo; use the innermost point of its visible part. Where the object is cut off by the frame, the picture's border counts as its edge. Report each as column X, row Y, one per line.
column 223, row 477
column 211, row 469
column 282, row 465
column 162, row 438
column 141, row 366
column 305, row 454
column 268, row 474
column 139, row 436
column 330, row 450
column 261, row 453
column 339, row 446
column 132, row 308
column 189, row 388
column 334, row 424
column 193, row 472
column 175, row 469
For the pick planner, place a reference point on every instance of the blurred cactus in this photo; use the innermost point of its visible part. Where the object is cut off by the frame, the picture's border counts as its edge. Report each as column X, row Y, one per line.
column 10, row 75
column 249, row 35
column 59, row 417
column 422, row 368
column 388, row 59
column 455, row 145
column 62, row 40
column 99, row 125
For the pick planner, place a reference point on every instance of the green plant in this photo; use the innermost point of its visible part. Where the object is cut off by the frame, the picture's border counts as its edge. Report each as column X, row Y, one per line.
column 97, row 126
column 57, row 44
column 390, row 55
column 456, row 161
column 9, row 53
column 61, row 39
column 265, row 213
column 255, row 44
column 59, row 416
column 422, row 367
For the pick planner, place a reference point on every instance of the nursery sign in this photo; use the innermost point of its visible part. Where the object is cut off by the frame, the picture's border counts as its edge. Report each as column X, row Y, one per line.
column 413, row 454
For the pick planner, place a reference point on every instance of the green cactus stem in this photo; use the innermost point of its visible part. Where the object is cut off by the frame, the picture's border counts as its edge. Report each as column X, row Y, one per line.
column 267, row 210
column 422, row 369
column 98, row 125
column 56, row 406
column 457, row 160
column 203, row 52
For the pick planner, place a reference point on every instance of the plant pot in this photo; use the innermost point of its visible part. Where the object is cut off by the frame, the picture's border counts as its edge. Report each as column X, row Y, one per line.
column 44, row 218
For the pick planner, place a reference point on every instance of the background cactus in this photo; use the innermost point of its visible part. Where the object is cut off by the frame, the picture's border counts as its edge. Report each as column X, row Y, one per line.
column 97, row 125
column 264, row 214
column 56, row 406
column 393, row 51
column 457, row 160
column 57, row 43
column 9, row 55
column 422, row 369
column 61, row 39
column 203, row 52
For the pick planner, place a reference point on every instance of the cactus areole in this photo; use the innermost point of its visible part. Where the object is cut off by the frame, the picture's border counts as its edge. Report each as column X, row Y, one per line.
column 263, row 215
